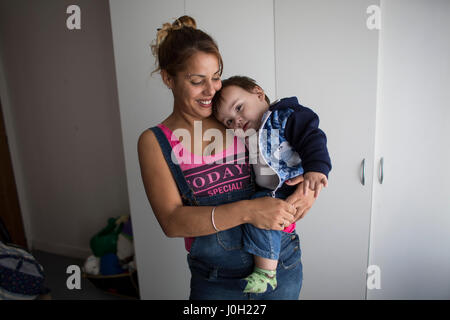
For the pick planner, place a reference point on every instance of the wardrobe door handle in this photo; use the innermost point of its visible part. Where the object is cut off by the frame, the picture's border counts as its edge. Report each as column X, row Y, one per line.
column 381, row 170
column 363, row 172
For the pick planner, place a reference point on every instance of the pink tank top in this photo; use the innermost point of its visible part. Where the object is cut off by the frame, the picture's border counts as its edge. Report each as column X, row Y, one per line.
column 211, row 175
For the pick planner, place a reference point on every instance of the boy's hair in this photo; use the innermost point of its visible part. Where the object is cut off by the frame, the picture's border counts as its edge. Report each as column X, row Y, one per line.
column 246, row 83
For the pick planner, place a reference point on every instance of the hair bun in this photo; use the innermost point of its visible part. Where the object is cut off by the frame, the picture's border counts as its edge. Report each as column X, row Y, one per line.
column 184, row 21
column 162, row 33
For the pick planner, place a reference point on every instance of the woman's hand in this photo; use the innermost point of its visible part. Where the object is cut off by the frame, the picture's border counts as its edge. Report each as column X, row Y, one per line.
column 301, row 201
column 270, row 213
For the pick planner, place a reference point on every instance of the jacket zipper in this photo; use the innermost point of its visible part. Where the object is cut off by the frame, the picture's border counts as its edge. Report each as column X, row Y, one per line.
column 261, row 154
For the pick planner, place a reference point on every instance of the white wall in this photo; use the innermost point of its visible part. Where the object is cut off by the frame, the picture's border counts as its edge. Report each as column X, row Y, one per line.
column 62, row 119
column 144, row 102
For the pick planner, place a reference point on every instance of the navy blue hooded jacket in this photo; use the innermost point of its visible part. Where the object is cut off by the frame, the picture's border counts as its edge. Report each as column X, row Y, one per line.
column 300, row 146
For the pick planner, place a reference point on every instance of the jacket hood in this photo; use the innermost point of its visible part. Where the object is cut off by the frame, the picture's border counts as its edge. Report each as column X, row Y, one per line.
column 284, row 103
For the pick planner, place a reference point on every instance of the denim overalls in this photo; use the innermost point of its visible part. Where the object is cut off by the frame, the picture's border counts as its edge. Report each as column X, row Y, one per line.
column 217, row 261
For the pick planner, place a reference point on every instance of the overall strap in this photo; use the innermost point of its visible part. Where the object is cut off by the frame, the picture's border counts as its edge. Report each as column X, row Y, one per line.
column 185, row 191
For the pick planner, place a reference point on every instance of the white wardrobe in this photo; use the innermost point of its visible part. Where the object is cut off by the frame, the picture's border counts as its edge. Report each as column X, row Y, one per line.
column 380, row 94
column 410, row 230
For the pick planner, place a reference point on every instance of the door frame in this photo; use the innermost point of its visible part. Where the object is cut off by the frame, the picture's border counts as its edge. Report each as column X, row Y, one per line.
column 10, row 212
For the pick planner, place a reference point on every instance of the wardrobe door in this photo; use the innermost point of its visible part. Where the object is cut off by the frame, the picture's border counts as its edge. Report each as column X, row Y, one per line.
column 327, row 57
column 244, row 31
column 144, row 102
column 410, row 240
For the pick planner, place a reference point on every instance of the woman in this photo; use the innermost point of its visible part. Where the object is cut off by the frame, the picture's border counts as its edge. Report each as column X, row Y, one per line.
column 205, row 198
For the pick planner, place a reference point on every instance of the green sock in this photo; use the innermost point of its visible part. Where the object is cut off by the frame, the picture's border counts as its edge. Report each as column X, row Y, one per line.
column 257, row 282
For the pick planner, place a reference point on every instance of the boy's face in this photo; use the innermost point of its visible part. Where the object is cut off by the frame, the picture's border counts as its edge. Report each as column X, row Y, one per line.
column 240, row 109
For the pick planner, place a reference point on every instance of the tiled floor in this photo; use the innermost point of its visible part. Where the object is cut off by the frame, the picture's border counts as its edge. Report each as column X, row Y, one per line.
column 55, row 267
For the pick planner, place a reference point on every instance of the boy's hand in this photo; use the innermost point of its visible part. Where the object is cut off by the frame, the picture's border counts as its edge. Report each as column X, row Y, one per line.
column 314, row 181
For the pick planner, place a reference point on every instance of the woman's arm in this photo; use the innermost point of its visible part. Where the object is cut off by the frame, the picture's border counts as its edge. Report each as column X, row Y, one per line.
column 177, row 220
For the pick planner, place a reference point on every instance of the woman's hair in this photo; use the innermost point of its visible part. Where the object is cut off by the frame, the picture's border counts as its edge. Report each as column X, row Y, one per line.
column 246, row 83
column 176, row 42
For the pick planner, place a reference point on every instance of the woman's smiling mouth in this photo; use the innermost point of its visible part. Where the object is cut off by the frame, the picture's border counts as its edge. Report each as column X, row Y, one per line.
column 205, row 103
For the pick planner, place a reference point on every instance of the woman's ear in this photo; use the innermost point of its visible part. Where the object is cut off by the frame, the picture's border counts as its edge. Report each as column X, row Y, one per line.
column 167, row 79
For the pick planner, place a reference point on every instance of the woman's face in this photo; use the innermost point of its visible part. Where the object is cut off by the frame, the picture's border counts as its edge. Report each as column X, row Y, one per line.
column 194, row 88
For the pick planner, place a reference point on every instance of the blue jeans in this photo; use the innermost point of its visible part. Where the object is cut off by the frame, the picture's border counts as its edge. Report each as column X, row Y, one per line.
column 222, row 281
column 265, row 243
column 214, row 283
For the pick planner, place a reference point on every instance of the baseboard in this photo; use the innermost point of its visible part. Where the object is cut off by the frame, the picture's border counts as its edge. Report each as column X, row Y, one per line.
column 61, row 249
